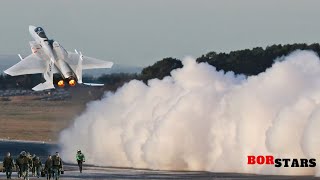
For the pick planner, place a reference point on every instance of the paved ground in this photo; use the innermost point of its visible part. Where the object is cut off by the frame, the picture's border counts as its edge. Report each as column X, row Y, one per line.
column 112, row 173
column 71, row 173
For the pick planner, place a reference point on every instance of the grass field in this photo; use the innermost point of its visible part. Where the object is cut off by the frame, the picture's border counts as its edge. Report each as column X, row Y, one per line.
column 27, row 118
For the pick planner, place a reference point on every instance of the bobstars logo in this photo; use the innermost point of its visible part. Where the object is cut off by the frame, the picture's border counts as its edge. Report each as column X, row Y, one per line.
column 281, row 162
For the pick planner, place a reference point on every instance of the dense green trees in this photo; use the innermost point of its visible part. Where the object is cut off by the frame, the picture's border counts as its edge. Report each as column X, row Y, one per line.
column 247, row 61
column 254, row 61
column 160, row 69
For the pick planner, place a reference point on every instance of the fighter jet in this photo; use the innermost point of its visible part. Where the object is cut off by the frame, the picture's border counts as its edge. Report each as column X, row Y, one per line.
column 49, row 57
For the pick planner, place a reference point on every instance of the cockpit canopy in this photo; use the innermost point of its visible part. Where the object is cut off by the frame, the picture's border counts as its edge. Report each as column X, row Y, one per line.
column 40, row 32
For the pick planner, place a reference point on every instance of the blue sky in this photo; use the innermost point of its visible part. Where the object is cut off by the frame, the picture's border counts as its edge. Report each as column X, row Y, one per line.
column 140, row 32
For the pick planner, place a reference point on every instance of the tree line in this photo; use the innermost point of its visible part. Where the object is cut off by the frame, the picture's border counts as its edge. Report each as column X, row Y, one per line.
column 253, row 61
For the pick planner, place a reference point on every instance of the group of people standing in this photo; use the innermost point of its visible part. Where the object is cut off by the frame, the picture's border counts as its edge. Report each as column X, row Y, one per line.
column 53, row 167
column 24, row 163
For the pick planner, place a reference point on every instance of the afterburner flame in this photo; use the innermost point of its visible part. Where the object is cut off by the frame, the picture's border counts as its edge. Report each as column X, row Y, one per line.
column 61, row 83
column 72, row 82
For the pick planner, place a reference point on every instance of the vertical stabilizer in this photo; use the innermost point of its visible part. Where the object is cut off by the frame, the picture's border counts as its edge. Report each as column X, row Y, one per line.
column 79, row 68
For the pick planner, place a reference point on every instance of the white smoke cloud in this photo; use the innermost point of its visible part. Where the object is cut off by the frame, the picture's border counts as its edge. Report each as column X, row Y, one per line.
column 202, row 119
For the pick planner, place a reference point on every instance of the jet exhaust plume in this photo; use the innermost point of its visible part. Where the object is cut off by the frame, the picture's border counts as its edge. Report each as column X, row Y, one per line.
column 203, row 119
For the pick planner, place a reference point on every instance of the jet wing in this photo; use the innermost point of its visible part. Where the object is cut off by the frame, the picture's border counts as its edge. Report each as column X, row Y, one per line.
column 87, row 63
column 29, row 65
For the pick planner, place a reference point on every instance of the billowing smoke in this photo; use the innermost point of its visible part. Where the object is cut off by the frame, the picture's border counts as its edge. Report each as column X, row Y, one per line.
column 203, row 119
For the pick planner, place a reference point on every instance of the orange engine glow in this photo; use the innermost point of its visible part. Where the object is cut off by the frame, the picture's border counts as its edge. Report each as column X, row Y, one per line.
column 72, row 82
column 61, row 83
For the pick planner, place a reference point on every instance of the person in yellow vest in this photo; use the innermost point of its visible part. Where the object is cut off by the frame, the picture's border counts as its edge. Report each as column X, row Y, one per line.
column 80, row 159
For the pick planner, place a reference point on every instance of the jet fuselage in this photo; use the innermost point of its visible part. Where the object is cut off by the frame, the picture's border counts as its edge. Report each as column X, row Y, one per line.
column 54, row 51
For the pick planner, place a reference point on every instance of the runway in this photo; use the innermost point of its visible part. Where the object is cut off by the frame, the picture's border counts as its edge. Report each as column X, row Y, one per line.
column 116, row 173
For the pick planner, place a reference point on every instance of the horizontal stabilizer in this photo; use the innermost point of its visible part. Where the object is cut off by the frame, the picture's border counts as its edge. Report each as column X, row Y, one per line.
column 93, row 84
column 43, row 86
